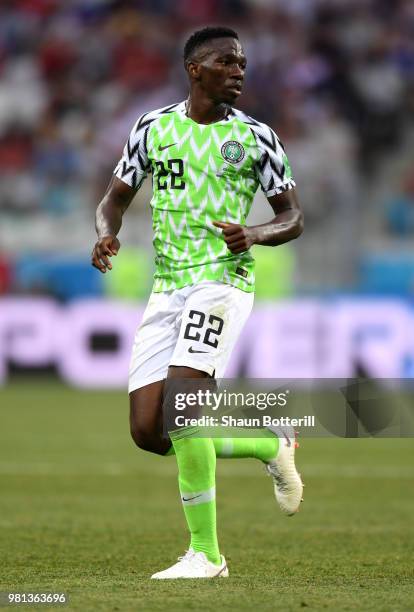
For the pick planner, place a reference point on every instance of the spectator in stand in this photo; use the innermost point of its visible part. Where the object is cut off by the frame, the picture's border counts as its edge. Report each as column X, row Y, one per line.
column 399, row 212
column 5, row 275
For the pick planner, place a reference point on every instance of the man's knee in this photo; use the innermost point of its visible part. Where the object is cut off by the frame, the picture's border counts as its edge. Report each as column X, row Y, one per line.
column 146, row 418
column 149, row 439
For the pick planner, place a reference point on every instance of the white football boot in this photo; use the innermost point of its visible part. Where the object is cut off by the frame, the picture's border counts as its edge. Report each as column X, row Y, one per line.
column 193, row 565
column 287, row 482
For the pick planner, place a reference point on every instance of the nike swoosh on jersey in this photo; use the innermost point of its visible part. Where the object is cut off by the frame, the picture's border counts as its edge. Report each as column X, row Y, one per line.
column 162, row 147
column 191, row 350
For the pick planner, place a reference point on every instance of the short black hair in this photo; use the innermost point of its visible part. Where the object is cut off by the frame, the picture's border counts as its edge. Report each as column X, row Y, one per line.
column 201, row 36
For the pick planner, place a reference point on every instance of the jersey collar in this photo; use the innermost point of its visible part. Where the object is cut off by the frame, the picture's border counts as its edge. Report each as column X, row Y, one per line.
column 182, row 109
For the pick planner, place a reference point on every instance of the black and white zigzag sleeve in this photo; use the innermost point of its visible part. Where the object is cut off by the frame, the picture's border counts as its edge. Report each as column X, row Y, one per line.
column 133, row 166
column 273, row 169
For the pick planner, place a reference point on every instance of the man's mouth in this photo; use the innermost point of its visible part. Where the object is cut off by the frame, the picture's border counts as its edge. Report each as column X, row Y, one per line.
column 235, row 86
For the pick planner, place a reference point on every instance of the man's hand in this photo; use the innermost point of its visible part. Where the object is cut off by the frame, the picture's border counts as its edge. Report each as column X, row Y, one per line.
column 103, row 249
column 238, row 238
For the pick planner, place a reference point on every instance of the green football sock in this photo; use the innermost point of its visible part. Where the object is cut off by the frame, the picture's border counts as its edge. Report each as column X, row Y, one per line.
column 196, row 460
column 263, row 448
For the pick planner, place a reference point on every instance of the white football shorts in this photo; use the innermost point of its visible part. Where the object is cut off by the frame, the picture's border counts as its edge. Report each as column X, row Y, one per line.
column 196, row 326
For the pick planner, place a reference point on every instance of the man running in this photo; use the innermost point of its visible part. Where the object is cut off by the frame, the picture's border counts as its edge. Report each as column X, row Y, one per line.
column 207, row 160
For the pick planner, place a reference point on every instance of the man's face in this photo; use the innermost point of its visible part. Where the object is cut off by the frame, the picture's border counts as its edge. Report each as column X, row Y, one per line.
column 219, row 66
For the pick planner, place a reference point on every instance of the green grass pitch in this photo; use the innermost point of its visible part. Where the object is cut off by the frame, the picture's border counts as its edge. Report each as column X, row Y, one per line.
column 83, row 511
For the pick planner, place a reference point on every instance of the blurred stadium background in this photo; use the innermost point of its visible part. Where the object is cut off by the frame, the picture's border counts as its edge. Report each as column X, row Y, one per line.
column 335, row 79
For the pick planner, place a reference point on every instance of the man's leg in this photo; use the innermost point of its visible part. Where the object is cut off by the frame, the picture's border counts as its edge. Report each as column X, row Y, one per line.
column 196, row 460
column 145, row 418
column 153, row 347
column 146, row 422
column 152, row 357
column 212, row 319
column 264, row 448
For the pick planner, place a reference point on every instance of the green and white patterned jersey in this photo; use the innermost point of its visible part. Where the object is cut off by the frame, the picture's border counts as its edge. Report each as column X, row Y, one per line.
column 201, row 174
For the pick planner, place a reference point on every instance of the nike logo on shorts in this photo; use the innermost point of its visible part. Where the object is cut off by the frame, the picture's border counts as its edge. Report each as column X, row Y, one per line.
column 191, row 350
column 162, row 147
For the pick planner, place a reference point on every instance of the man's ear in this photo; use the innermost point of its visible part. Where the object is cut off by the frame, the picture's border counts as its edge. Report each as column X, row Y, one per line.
column 193, row 69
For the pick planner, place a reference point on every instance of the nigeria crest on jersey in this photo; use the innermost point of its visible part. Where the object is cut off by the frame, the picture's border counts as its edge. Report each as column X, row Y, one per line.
column 232, row 151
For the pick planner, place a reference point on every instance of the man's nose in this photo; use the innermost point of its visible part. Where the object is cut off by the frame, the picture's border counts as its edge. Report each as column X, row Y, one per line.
column 237, row 72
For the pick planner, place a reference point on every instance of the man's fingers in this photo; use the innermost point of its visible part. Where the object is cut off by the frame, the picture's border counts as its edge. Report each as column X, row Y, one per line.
column 220, row 224
column 240, row 249
column 99, row 265
column 102, row 253
column 232, row 229
column 104, row 249
column 236, row 237
column 100, row 261
column 240, row 244
column 105, row 260
column 228, row 228
column 113, row 248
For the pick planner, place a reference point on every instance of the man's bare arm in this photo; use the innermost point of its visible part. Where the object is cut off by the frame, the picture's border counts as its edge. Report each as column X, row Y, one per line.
column 285, row 226
column 108, row 222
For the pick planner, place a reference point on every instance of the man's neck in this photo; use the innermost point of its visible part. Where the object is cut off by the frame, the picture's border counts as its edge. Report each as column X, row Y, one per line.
column 204, row 110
